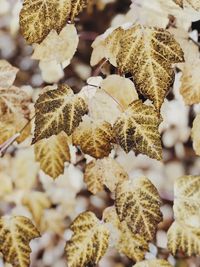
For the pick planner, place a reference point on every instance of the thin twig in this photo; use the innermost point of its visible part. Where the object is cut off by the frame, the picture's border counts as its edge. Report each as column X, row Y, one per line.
column 98, row 69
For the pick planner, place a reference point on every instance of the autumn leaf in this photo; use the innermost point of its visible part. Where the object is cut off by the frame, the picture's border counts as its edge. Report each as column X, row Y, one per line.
column 76, row 7
column 13, row 100
column 121, row 89
column 36, row 202
column 7, row 74
column 195, row 134
column 153, row 263
column 16, row 233
column 60, row 47
column 102, row 172
column 187, row 200
column 39, row 17
column 137, row 129
column 52, row 153
column 184, row 238
column 11, row 124
column 138, row 204
column 58, row 110
column 94, row 137
column 89, row 241
column 148, row 53
column 132, row 245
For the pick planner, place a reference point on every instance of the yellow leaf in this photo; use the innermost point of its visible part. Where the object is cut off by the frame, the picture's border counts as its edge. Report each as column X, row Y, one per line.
column 190, row 82
column 59, row 47
column 148, row 53
column 52, row 153
column 187, row 200
column 195, row 134
column 120, row 88
column 76, row 7
column 184, row 238
column 10, row 124
column 89, row 241
column 107, row 46
column 16, row 233
column 7, row 74
column 153, row 263
column 138, row 203
column 137, row 129
column 132, row 245
column 94, row 137
column 36, row 203
column 102, row 172
column 39, row 17
column 13, row 100
column 58, row 110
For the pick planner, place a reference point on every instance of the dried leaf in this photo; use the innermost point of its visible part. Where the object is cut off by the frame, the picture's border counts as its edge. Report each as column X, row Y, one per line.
column 195, row 134
column 89, row 241
column 58, row 110
column 195, row 4
column 7, row 74
column 76, row 7
column 120, row 88
column 102, row 172
column 183, row 238
column 52, row 153
column 59, row 47
column 39, row 17
column 132, row 245
column 16, row 233
column 153, row 263
column 148, row 53
column 137, row 129
column 94, row 137
column 187, row 200
column 36, row 203
column 138, row 203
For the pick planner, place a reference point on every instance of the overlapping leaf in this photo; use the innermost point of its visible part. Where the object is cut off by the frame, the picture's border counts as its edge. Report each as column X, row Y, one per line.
column 195, row 134
column 39, row 17
column 132, row 245
column 138, row 203
column 7, row 74
column 76, row 7
column 137, row 129
column 148, row 53
column 52, row 153
column 94, row 137
column 182, row 237
column 89, row 241
column 187, row 200
column 36, row 203
column 195, row 4
column 153, row 263
column 15, row 234
column 102, row 172
column 58, row 110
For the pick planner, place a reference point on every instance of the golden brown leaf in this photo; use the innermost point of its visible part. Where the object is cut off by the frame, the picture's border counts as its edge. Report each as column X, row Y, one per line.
column 120, row 88
column 39, row 17
column 52, row 153
column 153, row 263
column 36, row 203
column 58, row 110
column 132, row 245
column 148, row 53
column 15, row 234
column 76, row 7
column 89, row 241
column 182, row 237
column 102, row 172
column 187, row 200
column 94, row 137
column 137, row 129
column 7, row 74
column 138, row 203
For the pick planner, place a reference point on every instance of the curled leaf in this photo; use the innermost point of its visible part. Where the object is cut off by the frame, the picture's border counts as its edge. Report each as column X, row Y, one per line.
column 153, row 263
